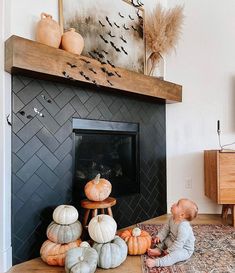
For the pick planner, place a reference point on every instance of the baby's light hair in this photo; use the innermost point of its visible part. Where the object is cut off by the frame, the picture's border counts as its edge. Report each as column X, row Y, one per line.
column 190, row 211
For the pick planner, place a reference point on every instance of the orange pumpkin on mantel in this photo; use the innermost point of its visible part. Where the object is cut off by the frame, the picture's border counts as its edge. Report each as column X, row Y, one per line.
column 138, row 241
column 98, row 189
column 54, row 254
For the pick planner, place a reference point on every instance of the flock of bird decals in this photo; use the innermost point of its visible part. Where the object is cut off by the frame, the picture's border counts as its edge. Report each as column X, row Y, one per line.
column 107, row 37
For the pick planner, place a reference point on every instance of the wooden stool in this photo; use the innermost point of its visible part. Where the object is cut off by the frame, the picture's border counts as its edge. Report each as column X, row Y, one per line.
column 94, row 206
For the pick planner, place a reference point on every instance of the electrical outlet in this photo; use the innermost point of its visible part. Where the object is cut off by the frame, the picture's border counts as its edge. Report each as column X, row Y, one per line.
column 188, row 183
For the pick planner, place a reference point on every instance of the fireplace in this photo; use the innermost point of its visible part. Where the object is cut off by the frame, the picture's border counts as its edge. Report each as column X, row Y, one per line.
column 109, row 148
column 43, row 146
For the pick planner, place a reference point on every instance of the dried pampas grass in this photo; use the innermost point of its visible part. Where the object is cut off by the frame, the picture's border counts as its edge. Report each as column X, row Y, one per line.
column 162, row 32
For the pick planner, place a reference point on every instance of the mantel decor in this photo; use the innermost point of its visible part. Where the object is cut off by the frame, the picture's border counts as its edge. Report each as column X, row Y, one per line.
column 35, row 59
column 113, row 33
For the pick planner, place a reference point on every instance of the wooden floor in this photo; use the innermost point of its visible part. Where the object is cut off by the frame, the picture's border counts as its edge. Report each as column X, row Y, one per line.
column 132, row 263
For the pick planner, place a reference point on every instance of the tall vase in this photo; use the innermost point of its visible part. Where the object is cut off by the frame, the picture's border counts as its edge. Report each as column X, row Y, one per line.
column 48, row 31
column 72, row 41
column 156, row 65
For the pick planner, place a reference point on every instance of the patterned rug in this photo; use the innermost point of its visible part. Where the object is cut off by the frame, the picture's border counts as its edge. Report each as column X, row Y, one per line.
column 214, row 251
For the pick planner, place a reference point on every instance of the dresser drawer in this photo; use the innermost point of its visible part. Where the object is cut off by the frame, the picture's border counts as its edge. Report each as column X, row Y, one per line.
column 226, row 182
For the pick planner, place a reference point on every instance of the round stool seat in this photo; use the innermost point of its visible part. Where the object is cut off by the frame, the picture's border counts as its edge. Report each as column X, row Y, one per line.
column 107, row 203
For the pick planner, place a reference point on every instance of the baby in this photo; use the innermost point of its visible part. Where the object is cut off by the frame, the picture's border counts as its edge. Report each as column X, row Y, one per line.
column 176, row 240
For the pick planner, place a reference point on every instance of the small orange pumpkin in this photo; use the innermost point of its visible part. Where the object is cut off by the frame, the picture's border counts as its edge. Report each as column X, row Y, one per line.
column 98, row 189
column 138, row 241
column 54, row 254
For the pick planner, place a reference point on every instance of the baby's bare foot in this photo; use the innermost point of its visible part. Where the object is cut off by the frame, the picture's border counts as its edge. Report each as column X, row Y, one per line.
column 154, row 252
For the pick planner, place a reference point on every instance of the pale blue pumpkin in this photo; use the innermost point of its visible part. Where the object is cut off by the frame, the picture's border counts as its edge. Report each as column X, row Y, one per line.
column 81, row 260
column 111, row 254
column 63, row 234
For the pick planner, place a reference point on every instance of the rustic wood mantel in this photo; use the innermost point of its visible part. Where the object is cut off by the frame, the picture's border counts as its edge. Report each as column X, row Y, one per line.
column 32, row 58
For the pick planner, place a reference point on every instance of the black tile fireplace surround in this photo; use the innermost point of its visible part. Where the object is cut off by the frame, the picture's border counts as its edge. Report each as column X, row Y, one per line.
column 42, row 158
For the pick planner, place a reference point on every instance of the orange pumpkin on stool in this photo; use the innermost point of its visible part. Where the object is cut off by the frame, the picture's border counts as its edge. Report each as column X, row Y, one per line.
column 98, row 189
column 138, row 241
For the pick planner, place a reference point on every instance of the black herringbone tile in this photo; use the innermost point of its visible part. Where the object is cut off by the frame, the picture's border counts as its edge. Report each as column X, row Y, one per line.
column 17, row 163
column 17, row 124
column 28, row 112
column 17, row 103
column 92, row 103
column 29, row 168
column 17, row 203
column 64, row 149
column 48, row 103
column 51, row 88
column 29, row 130
column 104, row 110
column 64, row 114
column 64, row 166
column 29, row 149
column 64, row 97
column 16, row 143
column 80, row 108
column 64, row 131
column 82, row 94
column 17, row 183
column 29, row 92
column 95, row 114
column 48, row 157
column 25, row 80
column 48, row 139
column 49, row 122
column 29, row 188
column 47, row 175
column 17, row 84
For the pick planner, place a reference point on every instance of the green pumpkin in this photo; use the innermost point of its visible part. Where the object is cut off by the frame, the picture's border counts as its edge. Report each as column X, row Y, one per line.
column 81, row 260
column 111, row 254
column 63, row 234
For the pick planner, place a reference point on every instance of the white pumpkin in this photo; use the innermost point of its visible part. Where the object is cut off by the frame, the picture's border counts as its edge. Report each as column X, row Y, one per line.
column 65, row 215
column 63, row 234
column 111, row 254
column 102, row 228
column 84, row 244
column 81, row 260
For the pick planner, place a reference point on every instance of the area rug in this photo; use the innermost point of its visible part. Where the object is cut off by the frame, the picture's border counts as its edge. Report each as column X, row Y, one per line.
column 214, row 251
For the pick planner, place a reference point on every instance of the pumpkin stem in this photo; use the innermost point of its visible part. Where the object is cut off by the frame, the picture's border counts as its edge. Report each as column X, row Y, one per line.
column 136, row 232
column 81, row 259
column 99, row 218
column 97, row 179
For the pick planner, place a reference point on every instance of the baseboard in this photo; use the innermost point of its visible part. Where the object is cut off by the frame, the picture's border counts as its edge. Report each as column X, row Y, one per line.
column 6, row 260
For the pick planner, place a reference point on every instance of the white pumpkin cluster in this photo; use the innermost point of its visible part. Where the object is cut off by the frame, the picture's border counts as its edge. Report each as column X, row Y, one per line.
column 111, row 249
column 63, row 234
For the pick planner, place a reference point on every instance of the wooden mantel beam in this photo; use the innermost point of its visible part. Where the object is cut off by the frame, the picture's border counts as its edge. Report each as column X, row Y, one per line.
column 23, row 55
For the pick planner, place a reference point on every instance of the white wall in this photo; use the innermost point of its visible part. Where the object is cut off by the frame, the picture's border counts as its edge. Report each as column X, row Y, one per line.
column 204, row 64
column 5, row 144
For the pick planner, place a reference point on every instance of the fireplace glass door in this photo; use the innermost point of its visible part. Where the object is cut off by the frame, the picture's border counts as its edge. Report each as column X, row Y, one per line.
column 108, row 148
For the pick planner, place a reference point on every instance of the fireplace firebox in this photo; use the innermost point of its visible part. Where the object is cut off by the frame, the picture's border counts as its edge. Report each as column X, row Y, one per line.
column 109, row 148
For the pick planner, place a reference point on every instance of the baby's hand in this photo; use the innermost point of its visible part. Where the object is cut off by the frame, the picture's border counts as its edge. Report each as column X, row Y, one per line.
column 165, row 252
column 156, row 240
column 150, row 262
column 154, row 252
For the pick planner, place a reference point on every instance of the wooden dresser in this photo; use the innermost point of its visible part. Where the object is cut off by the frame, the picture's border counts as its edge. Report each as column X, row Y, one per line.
column 219, row 168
